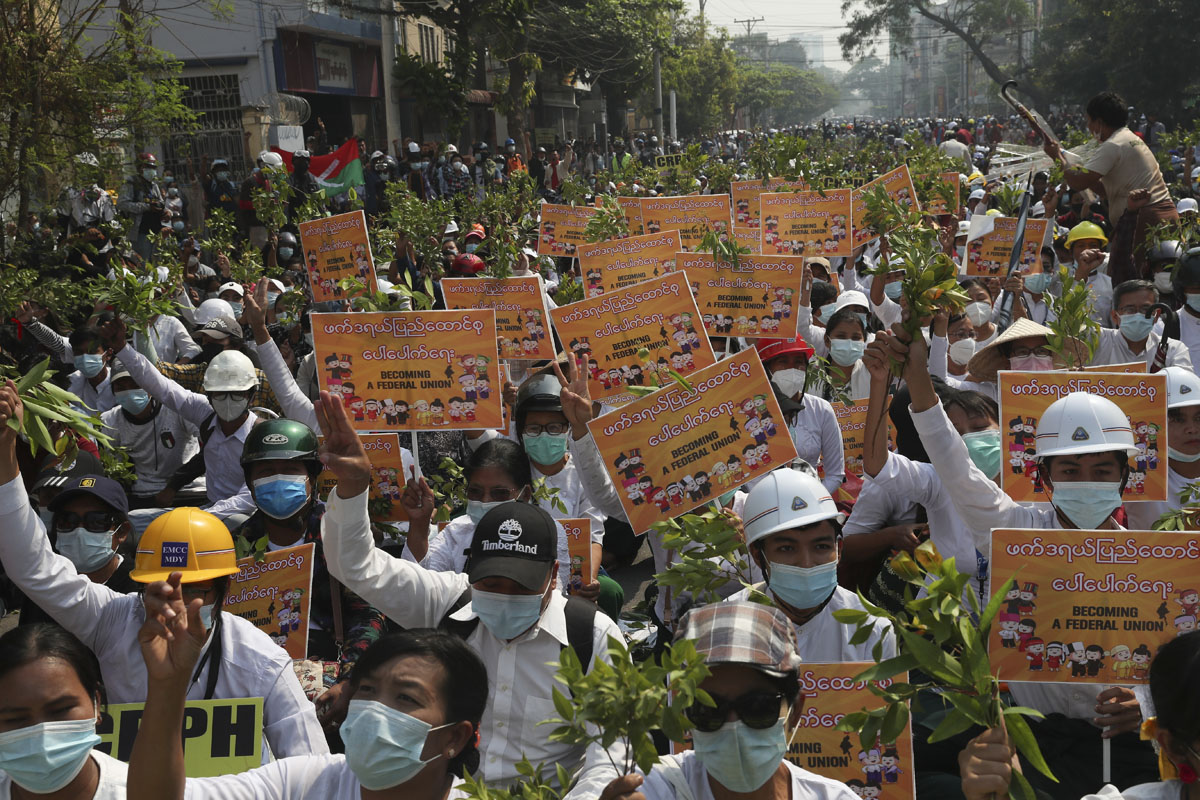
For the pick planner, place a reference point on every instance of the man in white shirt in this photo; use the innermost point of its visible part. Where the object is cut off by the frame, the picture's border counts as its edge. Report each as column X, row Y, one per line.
column 1132, row 337
column 506, row 607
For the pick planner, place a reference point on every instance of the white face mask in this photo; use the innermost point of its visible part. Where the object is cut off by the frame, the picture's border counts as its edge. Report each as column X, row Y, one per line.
column 961, row 351
column 789, row 381
column 229, row 408
column 978, row 313
column 1162, row 282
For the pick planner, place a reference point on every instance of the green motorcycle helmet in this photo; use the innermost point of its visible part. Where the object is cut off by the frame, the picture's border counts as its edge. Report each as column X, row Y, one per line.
column 281, row 440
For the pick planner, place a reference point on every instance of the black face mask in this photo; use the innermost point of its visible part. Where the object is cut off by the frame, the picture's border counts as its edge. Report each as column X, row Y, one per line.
column 300, row 167
column 209, row 351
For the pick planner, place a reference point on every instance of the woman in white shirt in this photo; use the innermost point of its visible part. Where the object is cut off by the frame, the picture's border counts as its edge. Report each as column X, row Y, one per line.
column 412, row 725
column 50, row 701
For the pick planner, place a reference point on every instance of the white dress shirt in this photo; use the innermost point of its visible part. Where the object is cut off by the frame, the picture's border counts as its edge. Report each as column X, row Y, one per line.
column 157, row 447
column 687, row 767
column 171, row 339
column 112, row 779
column 224, row 479
column 449, row 548
column 98, row 398
column 824, row 640
column 317, row 777
column 521, row 672
column 108, row 622
column 1114, row 349
column 1189, row 333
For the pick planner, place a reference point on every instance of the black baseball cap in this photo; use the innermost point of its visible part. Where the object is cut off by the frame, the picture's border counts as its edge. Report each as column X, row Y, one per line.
column 106, row 490
column 514, row 540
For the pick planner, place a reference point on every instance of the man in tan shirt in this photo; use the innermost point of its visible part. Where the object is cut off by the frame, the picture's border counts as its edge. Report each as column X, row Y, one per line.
column 1121, row 165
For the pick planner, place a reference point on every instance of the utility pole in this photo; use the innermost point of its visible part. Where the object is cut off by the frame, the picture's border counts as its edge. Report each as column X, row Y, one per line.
column 391, row 103
column 702, row 3
column 749, row 23
column 658, row 105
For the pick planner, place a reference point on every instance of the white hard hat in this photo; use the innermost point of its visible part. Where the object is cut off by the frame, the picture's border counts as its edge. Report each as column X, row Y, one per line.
column 786, row 499
column 1185, row 205
column 1083, row 423
column 851, row 298
column 1183, row 387
column 210, row 310
column 964, row 227
column 977, row 194
column 272, row 160
column 232, row 286
column 230, row 371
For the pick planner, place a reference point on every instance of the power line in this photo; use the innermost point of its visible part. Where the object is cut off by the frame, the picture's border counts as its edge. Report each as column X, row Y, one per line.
column 749, row 23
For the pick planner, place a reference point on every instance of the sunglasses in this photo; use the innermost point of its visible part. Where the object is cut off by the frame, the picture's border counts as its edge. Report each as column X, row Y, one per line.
column 94, row 521
column 759, row 710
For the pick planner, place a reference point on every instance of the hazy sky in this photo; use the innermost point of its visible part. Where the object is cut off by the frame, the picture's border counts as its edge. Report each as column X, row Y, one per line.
column 781, row 20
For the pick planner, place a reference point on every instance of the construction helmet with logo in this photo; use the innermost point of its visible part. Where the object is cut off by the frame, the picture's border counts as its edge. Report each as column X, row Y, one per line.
column 786, row 499
column 1083, row 423
column 281, row 440
column 1086, row 230
column 1183, row 387
column 230, row 371
column 211, row 309
column 186, row 540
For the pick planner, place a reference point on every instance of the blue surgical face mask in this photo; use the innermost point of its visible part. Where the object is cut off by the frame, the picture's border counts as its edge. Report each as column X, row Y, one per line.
column 90, row 364
column 223, row 175
column 1039, row 283
column 1136, row 327
column 383, row 745
column 893, row 290
column 507, row 616
column 177, row 226
column 803, row 587
column 87, row 550
column 271, row 298
column 472, row 247
column 846, row 352
column 46, row 757
column 477, row 508
column 545, row 448
column 206, row 615
column 739, row 757
column 1193, row 301
column 826, row 312
column 134, row 401
column 984, row 449
column 281, row 496
column 1087, row 503
column 149, row 174
column 861, row 318
column 1184, row 457
column 285, row 253
column 236, row 305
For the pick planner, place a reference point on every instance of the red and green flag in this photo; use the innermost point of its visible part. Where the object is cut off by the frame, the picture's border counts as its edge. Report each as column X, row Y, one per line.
column 337, row 172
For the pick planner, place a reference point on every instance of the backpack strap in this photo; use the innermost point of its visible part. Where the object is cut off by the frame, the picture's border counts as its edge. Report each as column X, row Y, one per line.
column 462, row 628
column 207, row 429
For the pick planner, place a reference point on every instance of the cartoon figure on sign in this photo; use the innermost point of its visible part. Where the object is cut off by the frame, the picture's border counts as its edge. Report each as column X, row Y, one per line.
column 1122, row 661
column 1184, row 623
column 1028, row 593
column 1095, row 659
column 872, row 767
column 1035, row 651
column 1054, row 656
column 891, row 765
column 1078, row 658
column 1189, row 599
column 1141, row 663
column 1025, row 630
column 1008, row 629
column 1012, row 599
column 856, row 786
column 576, row 572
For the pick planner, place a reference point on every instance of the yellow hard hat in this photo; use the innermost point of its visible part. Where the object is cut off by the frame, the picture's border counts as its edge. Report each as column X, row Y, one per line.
column 1086, row 230
column 185, row 540
column 993, row 212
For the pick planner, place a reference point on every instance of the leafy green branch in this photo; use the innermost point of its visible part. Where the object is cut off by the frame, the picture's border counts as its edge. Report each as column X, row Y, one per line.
column 710, row 552
column 49, row 409
column 1071, row 321
column 1187, row 516
column 608, row 222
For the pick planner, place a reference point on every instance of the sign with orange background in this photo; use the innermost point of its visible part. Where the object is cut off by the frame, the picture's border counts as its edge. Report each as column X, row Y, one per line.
column 747, row 238
column 853, row 422
column 899, row 186
column 579, row 545
column 520, row 306
column 830, row 692
column 273, row 594
column 608, row 331
column 561, row 228
column 391, row 464
column 1090, row 606
column 934, row 204
column 676, row 449
column 415, row 370
column 337, row 247
column 746, row 194
column 1024, row 396
column 693, row 216
column 632, row 206
column 988, row 255
column 759, row 298
column 806, row 223
column 617, row 263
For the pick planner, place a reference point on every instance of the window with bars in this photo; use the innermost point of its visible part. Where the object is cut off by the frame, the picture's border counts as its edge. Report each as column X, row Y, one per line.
column 428, row 36
column 217, row 102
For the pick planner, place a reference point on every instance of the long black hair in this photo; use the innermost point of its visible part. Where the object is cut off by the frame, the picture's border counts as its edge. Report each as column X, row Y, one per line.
column 28, row 643
column 1173, row 688
column 505, row 455
column 464, row 684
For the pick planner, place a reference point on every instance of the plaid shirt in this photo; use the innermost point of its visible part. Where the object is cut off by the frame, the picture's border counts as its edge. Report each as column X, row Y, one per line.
column 191, row 377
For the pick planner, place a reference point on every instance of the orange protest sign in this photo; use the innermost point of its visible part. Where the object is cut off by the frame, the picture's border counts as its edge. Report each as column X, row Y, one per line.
column 693, row 216
column 1090, row 606
column 757, row 300
column 677, row 448
column 830, row 692
column 988, row 253
column 746, row 194
column 659, row 316
column 414, row 370
column 1132, row 367
column 274, row 594
column 579, row 545
column 934, row 204
column 561, row 229
column 1024, row 396
column 520, row 306
column 899, row 186
column 388, row 476
column 853, row 422
column 337, row 247
column 619, row 263
column 747, row 238
column 632, row 206
column 806, row 223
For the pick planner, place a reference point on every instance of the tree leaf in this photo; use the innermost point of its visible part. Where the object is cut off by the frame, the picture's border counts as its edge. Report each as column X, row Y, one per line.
column 954, row 723
column 1022, row 736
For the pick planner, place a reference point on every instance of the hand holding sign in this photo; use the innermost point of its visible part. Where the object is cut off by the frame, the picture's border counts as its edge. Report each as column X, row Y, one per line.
column 342, row 452
column 172, row 635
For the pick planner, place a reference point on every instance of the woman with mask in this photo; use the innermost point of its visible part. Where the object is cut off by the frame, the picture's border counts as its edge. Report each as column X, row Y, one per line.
column 980, row 310
column 1082, row 449
column 811, row 420
column 986, row 764
column 818, row 301
column 1183, row 447
column 952, row 345
column 738, row 746
column 232, row 293
column 846, row 339
column 1024, row 346
column 52, row 697
column 411, row 730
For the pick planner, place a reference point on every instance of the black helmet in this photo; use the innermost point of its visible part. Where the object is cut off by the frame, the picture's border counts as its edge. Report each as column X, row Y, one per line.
column 1170, row 250
column 540, row 393
column 1187, row 273
column 288, row 239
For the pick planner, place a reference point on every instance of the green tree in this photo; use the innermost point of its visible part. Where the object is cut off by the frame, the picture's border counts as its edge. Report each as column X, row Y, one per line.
column 704, row 75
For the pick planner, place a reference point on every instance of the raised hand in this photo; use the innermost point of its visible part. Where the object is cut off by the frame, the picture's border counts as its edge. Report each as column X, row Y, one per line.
column 576, row 397
column 418, row 499
column 254, row 311
column 172, row 635
column 342, row 452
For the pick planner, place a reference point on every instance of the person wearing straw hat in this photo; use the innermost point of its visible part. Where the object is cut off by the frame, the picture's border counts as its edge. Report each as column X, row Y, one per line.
column 1024, row 345
column 1083, row 445
column 1183, row 447
column 738, row 745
